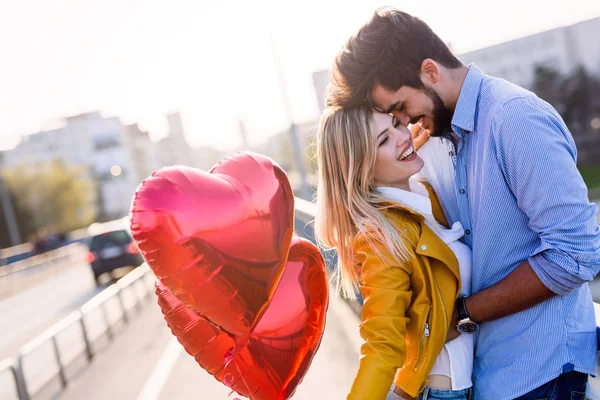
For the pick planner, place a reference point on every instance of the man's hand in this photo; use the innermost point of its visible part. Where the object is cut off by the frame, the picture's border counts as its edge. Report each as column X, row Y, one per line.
column 453, row 333
column 420, row 135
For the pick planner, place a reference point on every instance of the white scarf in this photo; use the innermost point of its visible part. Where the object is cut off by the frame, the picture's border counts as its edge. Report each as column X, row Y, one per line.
column 418, row 200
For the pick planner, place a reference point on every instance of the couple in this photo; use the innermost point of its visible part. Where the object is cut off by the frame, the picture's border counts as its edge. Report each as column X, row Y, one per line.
column 474, row 281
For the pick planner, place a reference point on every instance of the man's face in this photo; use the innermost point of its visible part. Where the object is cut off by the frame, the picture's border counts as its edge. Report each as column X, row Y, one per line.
column 409, row 106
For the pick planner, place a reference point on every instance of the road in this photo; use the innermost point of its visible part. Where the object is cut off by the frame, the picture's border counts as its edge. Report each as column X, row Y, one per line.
column 39, row 305
column 145, row 362
column 31, row 311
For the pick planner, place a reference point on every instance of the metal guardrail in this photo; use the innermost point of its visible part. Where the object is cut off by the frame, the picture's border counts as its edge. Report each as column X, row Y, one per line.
column 51, row 257
column 137, row 284
column 14, row 276
column 24, row 387
column 305, row 214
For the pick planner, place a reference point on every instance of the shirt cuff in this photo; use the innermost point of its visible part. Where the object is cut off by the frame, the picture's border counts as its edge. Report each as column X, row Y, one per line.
column 553, row 276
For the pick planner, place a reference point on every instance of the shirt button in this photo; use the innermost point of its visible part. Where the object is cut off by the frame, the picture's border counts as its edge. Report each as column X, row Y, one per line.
column 451, row 153
column 423, row 247
column 462, row 191
column 468, row 232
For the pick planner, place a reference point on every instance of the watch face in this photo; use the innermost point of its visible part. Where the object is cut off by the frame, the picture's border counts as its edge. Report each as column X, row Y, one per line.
column 467, row 327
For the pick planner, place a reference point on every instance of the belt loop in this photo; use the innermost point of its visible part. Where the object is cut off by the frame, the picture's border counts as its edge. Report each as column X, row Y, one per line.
column 426, row 393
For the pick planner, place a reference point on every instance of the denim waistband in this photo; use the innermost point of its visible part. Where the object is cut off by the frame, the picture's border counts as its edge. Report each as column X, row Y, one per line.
column 429, row 393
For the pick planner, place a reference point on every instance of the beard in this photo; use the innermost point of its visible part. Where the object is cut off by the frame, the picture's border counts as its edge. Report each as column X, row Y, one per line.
column 442, row 116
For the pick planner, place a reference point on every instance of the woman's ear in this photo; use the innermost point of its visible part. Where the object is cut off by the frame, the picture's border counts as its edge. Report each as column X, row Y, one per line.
column 430, row 72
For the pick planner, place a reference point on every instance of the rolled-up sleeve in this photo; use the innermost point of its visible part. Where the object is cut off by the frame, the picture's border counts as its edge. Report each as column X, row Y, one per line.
column 538, row 158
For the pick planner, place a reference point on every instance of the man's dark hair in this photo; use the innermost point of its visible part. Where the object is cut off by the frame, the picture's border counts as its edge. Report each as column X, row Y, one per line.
column 389, row 50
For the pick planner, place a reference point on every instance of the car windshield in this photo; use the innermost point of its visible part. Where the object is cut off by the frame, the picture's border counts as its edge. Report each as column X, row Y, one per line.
column 114, row 238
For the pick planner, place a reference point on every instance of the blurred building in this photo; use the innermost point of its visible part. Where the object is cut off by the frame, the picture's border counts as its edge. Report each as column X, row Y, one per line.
column 174, row 148
column 116, row 156
column 562, row 49
column 279, row 148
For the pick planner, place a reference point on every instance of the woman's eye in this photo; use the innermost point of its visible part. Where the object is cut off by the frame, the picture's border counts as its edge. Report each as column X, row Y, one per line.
column 396, row 124
column 383, row 141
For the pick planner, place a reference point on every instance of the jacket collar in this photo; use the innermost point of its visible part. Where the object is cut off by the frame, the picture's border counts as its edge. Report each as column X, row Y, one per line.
column 416, row 199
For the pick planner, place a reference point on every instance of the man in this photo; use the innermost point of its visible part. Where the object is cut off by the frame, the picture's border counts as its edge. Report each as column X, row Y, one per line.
column 520, row 197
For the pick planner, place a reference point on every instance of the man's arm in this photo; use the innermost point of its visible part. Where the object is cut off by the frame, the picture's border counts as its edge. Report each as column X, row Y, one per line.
column 520, row 290
column 537, row 157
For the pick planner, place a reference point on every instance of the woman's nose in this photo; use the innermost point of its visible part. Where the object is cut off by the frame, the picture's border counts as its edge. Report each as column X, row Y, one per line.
column 402, row 135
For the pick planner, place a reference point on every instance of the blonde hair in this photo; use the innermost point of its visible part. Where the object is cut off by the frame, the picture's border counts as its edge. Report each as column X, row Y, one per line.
column 348, row 203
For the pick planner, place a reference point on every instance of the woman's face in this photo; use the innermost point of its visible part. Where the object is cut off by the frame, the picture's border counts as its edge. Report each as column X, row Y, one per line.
column 395, row 160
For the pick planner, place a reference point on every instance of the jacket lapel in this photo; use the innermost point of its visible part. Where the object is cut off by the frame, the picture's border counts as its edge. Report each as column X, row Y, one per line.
column 430, row 245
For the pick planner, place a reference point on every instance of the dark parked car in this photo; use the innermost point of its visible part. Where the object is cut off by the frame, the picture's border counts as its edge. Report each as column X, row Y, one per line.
column 112, row 249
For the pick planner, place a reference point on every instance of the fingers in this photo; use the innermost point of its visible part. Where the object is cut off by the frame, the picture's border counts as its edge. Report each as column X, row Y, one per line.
column 420, row 135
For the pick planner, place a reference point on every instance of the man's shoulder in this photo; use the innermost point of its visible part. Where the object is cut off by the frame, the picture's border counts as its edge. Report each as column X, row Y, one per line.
column 496, row 92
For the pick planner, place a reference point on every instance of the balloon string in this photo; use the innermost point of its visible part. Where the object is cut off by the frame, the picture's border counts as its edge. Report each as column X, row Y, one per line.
column 229, row 378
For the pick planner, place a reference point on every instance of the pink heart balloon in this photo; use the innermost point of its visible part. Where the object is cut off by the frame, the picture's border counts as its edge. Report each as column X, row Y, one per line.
column 217, row 240
column 280, row 349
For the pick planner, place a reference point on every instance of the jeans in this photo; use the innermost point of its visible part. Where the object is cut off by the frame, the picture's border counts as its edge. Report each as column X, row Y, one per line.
column 436, row 394
column 568, row 386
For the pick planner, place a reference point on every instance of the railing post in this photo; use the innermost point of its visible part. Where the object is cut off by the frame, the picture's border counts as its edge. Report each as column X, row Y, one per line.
column 88, row 346
column 61, row 368
column 20, row 379
column 109, row 331
column 122, row 303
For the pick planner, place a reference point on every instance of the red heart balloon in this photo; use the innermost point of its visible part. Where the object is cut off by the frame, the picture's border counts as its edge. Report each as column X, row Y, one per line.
column 281, row 347
column 218, row 240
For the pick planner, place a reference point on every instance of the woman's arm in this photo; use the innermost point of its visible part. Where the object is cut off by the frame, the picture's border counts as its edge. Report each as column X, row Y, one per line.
column 386, row 291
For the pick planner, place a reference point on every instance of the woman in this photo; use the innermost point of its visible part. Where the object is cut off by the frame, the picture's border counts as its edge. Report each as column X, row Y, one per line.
column 407, row 266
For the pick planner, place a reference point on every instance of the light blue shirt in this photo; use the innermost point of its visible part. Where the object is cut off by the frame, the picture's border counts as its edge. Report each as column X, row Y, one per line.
column 520, row 197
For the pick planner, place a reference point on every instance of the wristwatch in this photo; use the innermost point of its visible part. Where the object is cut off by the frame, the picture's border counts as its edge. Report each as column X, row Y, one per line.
column 465, row 325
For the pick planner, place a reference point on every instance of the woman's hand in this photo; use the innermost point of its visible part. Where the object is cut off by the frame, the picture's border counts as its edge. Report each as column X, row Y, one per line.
column 420, row 135
column 401, row 394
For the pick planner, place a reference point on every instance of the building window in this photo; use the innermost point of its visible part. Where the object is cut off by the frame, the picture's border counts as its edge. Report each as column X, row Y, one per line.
column 106, row 142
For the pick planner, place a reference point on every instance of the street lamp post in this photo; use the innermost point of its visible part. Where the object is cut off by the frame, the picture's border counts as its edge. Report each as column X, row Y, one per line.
column 9, row 215
column 305, row 190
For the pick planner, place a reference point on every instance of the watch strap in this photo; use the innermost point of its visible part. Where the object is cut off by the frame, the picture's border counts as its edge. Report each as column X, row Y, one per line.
column 461, row 308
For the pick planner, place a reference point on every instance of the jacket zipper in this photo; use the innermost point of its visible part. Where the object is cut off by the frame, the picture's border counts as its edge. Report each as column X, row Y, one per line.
column 424, row 337
column 426, row 331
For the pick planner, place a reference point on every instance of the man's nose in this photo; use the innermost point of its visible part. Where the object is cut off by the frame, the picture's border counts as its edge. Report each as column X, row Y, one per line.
column 402, row 117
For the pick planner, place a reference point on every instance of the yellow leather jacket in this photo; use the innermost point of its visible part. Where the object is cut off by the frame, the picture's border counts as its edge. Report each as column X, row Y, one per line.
column 407, row 306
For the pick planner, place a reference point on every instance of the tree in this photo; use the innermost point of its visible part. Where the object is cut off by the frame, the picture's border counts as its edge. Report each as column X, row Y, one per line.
column 576, row 96
column 59, row 197
column 548, row 85
column 24, row 218
column 579, row 90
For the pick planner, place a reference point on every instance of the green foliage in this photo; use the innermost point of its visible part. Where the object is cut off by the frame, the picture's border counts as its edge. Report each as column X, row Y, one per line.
column 591, row 175
column 24, row 220
column 576, row 96
column 58, row 197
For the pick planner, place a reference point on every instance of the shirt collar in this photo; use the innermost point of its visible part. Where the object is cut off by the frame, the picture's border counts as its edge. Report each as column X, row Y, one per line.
column 463, row 120
column 417, row 198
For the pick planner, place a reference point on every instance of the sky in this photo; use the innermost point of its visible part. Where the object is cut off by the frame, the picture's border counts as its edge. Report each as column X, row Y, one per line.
column 212, row 61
